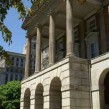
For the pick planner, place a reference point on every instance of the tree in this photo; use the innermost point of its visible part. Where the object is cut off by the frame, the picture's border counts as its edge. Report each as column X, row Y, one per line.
column 5, row 5
column 10, row 95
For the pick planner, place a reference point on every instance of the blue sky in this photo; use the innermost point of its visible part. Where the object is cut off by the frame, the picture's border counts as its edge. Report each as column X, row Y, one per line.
column 18, row 34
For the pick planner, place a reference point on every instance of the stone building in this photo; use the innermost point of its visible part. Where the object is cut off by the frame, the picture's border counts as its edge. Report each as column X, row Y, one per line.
column 14, row 71
column 72, row 55
column 2, row 75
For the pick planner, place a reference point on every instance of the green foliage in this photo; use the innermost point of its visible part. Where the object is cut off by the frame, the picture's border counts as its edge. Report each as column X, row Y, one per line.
column 10, row 95
column 5, row 55
column 5, row 5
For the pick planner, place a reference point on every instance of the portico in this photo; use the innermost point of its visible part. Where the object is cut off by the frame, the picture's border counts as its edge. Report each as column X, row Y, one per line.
column 62, row 32
column 48, row 29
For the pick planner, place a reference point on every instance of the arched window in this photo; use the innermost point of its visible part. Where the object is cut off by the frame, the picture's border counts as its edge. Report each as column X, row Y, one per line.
column 106, row 88
column 39, row 97
column 27, row 99
column 55, row 94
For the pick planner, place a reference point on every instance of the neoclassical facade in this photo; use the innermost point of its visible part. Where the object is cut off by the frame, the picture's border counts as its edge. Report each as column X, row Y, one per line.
column 72, row 59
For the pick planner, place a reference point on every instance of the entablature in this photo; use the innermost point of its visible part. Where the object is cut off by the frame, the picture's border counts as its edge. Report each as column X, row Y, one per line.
column 57, row 7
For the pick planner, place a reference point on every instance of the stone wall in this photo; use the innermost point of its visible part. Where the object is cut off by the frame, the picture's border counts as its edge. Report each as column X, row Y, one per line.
column 66, row 82
column 99, row 69
column 80, row 84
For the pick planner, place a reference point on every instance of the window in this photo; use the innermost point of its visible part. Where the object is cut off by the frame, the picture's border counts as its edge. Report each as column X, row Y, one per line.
column 7, row 69
column 12, row 58
column 16, row 71
column 12, row 63
column 17, row 59
column 6, row 78
column 33, row 38
column 76, row 40
column 16, row 77
column 93, row 50
column 31, row 55
column 44, row 58
column 21, row 64
column 17, row 64
column 21, row 71
column 34, row 46
column 11, row 70
column 11, row 77
column 91, row 24
column 31, row 66
column 76, row 34
column 22, row 60
column 34, row 64
column 92, row 45
column 45, row 53
column 60, row 49
column 106, row 89
column 20, row 77
column 76, row 49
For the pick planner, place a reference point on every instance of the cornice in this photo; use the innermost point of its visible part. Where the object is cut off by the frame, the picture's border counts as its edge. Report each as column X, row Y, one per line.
column 38, row 8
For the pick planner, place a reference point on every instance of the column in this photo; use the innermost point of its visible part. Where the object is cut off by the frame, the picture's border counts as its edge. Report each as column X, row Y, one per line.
column 38, row 51
column 69, row 28
column 51, row 40
column 27, row 62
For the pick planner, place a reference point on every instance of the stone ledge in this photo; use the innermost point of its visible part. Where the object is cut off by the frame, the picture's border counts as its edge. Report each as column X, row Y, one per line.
column 100, row 58
column 57, row 65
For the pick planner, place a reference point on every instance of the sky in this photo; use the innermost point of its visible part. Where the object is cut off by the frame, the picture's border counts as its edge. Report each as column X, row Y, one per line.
column 18, row 34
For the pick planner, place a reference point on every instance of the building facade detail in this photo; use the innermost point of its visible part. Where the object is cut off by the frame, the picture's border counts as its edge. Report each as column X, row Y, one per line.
column 14, row 71
column 69, row 52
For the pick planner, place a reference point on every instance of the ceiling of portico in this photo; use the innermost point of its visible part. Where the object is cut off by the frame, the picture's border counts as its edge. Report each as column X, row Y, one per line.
column 79, row 12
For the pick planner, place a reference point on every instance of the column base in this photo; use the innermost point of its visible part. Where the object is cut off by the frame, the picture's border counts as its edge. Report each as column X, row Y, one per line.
column 50, row 64
column 70, row 55
column 36, row 72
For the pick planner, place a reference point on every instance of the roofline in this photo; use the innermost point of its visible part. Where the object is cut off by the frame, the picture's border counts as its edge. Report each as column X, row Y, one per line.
column 14, row 53
column 28, row 19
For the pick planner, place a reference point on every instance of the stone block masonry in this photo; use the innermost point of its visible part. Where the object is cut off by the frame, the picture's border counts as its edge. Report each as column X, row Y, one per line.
column 64, row 85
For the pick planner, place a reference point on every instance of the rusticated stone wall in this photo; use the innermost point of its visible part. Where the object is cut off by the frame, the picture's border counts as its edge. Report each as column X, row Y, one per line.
column 64, row 85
